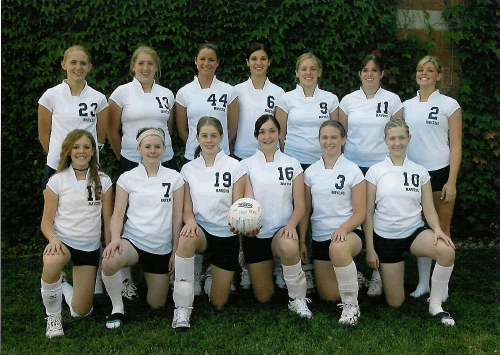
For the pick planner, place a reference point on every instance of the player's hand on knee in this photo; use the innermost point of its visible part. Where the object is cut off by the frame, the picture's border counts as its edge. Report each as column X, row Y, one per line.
column 372, row 259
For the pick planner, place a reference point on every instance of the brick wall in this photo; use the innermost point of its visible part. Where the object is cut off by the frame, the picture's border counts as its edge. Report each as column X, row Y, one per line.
column 423, row 19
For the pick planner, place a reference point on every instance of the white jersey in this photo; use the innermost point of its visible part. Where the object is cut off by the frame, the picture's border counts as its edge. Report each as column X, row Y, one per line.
column 77, row 222
column 143, row 109
column 252, row 104
column 305, row 116
column 331, row 195
column 150, row 207
column 70, row 113
column 272, row 187
column 199, row 102
column 429, row 128
column 398, row 200
column 366, row 119
column 211, row 189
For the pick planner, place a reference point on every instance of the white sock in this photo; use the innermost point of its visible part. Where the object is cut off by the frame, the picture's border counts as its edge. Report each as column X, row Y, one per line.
column 52, row 296
column 376, row 275
column 114, row 287
column 295, row 280
column 183, row 294
column 347, row 279
column 424, row 274
column 440, row 278
column 126, row 273
column 67, row 291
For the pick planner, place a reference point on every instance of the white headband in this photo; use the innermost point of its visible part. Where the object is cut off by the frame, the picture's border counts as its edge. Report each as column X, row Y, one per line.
column 150, row 132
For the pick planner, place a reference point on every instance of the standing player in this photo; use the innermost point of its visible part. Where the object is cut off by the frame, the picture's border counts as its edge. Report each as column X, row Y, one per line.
column 364, row 114
column 140, row 103
column 77, row 198
column 278, row 184
column 336, row 193
column 436, row 123
column 300, row 113
column 398, row 191
column 151, row 196
column 213, row 181
column 68, row 106
column 205, row 96
column 256, row 96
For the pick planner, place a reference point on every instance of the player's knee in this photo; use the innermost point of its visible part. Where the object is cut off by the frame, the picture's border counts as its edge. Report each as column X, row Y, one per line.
column 339, row 252
column 53, row 263
column 109, row 266
column 446, row 255
column 80, row 311
column 263, row 297
column 187, row 245
column 287, row 249
column 394, row 302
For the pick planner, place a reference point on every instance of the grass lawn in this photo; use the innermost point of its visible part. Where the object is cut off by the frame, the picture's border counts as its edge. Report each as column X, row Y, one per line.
column 246, row 327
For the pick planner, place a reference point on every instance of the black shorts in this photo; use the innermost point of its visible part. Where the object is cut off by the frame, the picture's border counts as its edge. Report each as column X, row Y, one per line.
column 321, row 250
column 84, row 258
column 153, row 263
column 439, row 178
column 391, row 251
column 125, row 165
column 223, row 251
column 257, row 250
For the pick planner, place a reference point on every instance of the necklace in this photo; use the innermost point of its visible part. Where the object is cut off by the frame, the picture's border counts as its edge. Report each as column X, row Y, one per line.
column 80, row 169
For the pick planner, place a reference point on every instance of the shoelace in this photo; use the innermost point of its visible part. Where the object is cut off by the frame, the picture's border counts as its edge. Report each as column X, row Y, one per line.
column 54, row 322
column 349, row 308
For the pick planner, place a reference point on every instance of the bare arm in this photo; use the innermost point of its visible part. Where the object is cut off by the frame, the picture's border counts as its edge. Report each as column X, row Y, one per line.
column 102, row 125
column 190, row 226
column 304, row 222
column 449, row 191
column 232, row 120
column 299, row 208
column 107, row 212
column 371, row 255
column 182, row 121
column 114, row 124
column 282, row 118
column 431, row 216
column 343, row 119
column 358, row 194
column 334, row 115
column 44, row 127
column 51, row 201
column 116, row 223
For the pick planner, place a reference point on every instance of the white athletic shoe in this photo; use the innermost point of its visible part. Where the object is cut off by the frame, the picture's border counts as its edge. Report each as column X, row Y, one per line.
column 362, row 281
column 129, row 291
column 208, row 282
column 278, row 277
column 350, row 314
column 375, row 288
column 299, row 306
column 245, row 282
column 198, row 291
column 181, row 317
column 54, row 326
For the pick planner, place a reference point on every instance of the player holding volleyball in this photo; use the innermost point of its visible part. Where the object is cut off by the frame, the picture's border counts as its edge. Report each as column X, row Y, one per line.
column 436, row 123
column 364, row 114
column 398, row 191
column 277, row 184
column 213, row 181
column 151, row 196
column 256, row 96
column 336, row 194
column 77, row 197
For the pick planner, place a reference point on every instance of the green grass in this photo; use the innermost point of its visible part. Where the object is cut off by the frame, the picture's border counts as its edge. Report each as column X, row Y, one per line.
column 246, row 327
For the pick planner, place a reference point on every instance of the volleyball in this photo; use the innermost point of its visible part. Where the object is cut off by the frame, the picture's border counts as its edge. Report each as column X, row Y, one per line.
column 246, row 214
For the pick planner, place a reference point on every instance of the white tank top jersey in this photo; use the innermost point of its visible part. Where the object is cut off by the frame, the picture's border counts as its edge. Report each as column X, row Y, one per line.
column 199, row 102
column 305, row 116
column 140, row 110
column 70, row 113
column 272, row 188
column 366, row 119
column 429, row 128
column 77, row 222
column 252, row 104
column 398, row 199
column 150, row 207
column 211, row 190
column 331, row 195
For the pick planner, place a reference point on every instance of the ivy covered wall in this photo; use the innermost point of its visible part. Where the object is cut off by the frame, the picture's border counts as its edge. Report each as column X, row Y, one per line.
column 36, row 33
